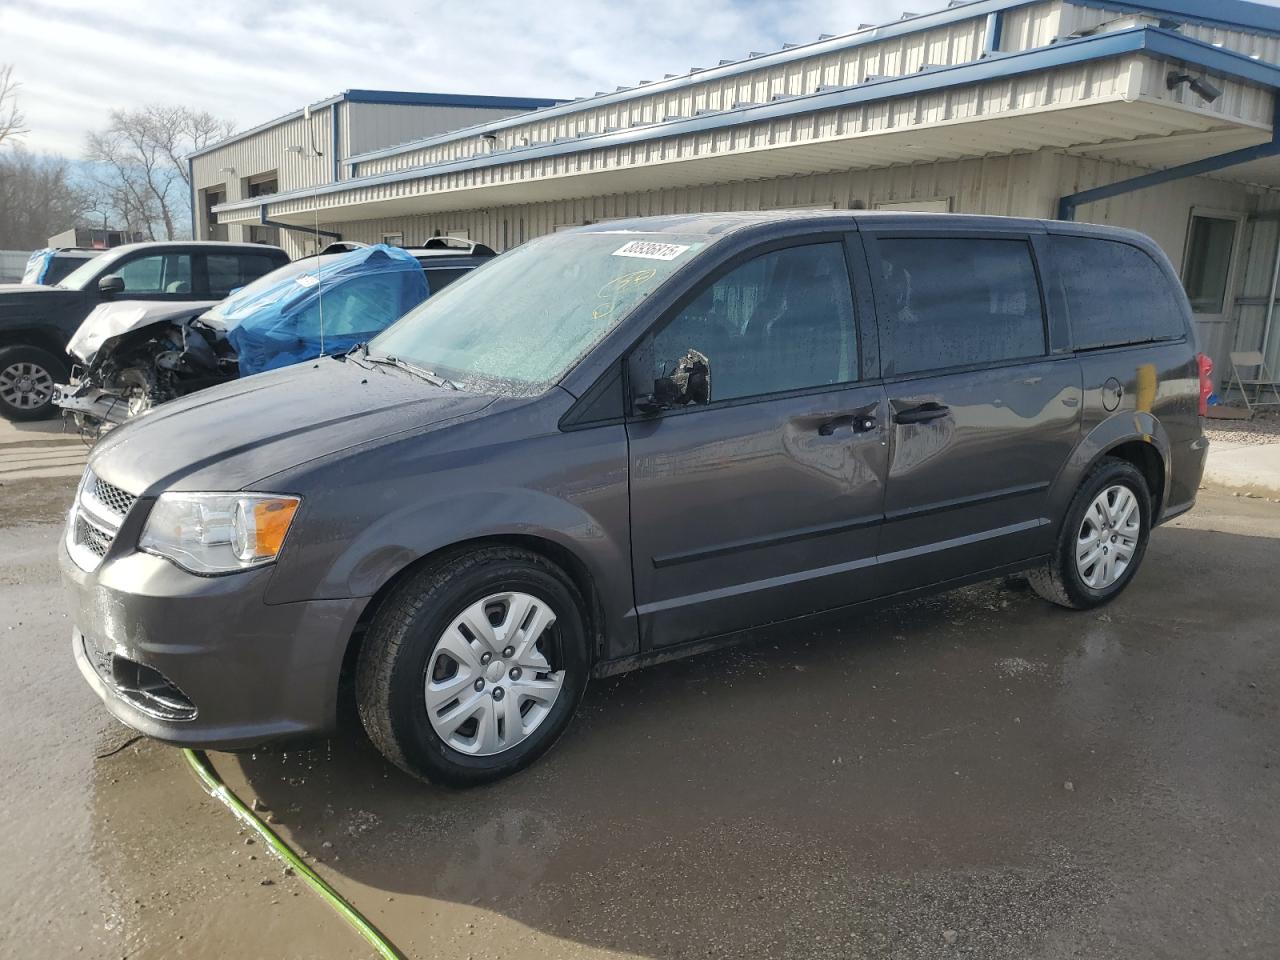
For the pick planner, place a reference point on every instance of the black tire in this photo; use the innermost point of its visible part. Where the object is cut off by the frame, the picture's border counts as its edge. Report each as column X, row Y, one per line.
column 392, row 668
column 1059, row 581
column 30, row 359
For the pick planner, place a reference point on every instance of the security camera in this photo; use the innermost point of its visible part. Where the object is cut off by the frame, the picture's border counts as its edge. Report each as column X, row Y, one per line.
column 1206, row 90
column 1199, row 85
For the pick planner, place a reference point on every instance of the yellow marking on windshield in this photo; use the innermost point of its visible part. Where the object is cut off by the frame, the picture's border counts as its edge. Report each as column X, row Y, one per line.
column 615, row 287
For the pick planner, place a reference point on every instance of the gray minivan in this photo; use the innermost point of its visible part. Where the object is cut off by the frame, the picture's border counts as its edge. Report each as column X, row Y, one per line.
column 624, row 443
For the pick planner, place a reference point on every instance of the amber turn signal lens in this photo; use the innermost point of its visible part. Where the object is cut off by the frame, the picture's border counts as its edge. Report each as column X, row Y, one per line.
column 271, row 520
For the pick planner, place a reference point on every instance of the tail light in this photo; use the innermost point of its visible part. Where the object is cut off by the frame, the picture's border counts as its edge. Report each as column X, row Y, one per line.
column 1205, row 366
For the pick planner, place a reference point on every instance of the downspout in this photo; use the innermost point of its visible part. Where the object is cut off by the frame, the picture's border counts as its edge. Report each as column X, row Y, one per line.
column 191, row 189
column 310, row 231
column 1067, row 205
column 1271, row 303
column 334, row 152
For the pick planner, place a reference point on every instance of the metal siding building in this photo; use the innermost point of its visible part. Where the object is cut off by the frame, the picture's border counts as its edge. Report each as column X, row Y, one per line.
column 1018, row 107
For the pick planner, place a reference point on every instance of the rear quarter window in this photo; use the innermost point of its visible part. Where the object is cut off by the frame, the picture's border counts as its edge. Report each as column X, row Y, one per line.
column 1111, row 293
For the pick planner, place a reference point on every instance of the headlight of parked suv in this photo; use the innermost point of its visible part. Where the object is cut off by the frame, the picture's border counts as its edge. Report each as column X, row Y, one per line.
column 218, row 532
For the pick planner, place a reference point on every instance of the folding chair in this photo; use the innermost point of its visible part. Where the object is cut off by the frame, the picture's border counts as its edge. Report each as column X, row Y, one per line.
column 1261, row 381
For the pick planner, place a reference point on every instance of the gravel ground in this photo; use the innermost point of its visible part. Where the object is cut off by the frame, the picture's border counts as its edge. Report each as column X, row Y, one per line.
column 1263, row 428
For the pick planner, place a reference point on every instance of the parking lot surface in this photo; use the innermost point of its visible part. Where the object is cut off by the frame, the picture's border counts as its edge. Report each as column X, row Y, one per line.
column 976, row 774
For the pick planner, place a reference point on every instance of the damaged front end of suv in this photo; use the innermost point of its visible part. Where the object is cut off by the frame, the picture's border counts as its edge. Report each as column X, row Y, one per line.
column 133, row 355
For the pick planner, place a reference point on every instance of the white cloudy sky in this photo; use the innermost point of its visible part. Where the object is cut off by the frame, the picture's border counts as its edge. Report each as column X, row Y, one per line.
column 251, row 60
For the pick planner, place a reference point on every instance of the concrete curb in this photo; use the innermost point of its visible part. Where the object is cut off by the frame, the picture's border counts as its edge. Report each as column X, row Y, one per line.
column 1242, row 466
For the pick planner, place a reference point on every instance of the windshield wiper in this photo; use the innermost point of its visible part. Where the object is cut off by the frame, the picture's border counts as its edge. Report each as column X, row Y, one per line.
column 417, row 371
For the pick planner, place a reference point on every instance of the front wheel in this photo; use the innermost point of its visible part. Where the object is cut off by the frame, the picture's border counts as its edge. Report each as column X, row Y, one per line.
column 27, row 376
column 473, row 666
column 1102, row 541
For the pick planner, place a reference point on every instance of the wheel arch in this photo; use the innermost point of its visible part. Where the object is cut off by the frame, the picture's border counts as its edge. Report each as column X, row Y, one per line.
column 563, row 557
column 1135, row 437
column 34, row 337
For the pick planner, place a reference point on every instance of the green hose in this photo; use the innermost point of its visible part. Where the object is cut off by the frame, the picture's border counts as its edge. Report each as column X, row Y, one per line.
column 218, row 790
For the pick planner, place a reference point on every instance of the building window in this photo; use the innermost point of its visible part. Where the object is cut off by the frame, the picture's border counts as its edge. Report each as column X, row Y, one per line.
column 1210, row 243
column 393, row 239
column 261, row 185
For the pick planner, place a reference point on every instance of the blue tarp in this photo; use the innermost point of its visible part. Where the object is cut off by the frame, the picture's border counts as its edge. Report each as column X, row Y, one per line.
column 38, row 265
column 363, row 293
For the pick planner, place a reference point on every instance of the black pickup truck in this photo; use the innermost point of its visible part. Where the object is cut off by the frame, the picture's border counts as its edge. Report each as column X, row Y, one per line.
column 36, row 321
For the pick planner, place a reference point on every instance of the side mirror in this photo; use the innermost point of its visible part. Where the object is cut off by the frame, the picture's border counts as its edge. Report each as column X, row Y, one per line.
column 666, row 394
column 110, row 285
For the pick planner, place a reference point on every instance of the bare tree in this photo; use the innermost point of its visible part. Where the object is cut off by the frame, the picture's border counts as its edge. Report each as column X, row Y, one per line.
column 12, row 122
column 39, row 197
column 140, row 167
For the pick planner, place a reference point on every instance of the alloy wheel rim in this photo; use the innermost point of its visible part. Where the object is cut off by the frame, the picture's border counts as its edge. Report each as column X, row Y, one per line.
column 489, row 684
column 25, row 385
column 1108, row 537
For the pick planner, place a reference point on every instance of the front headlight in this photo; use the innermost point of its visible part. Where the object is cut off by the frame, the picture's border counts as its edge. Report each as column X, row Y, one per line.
column 218, row 532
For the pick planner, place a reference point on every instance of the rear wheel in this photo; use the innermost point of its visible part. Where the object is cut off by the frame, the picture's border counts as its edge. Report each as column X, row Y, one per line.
column 474, row 666
column 27, row 376
column 1102, row 541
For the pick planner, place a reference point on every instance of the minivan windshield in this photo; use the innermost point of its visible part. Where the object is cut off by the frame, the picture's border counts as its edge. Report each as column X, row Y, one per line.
column 517, row 324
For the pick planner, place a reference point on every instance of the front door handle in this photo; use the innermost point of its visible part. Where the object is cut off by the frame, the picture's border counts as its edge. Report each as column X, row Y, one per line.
column 860, row 424
column 922, row 413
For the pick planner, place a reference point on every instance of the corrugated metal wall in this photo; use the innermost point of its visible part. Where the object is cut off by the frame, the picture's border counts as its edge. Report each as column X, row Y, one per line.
column 372, row 126
column 840, row 62
column 1078, row 19
column 1020, row 185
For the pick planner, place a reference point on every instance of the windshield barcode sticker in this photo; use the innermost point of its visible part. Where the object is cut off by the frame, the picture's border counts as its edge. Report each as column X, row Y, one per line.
column 649, row 250
column 307, row 280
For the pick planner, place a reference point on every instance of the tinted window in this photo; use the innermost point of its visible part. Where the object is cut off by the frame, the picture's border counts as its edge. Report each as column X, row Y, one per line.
column 230, row 271
column 439, row 279
column 163, row 273
column 1111, row 293
column 782, row 321
column 956, row 301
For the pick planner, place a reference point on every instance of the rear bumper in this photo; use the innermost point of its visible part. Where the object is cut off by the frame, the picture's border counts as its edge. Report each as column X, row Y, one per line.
column 1186, row 470
column 237, row 672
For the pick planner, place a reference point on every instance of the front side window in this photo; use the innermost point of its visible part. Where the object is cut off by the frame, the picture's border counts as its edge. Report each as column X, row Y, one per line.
column 163, row 273
column 950, row 302
column 517, row 324
column 1209, row 245
column 781, row 321
column 1111, row 293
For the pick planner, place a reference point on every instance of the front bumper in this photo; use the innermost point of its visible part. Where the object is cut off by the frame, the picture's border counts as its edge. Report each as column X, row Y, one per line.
column 90, row 401
column 251, row 672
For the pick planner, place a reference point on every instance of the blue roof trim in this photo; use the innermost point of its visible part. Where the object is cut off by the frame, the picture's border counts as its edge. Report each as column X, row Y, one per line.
column 1225, row 13
column 1163, row 43
column 972, row 10
column 448, row 100
column 388, row 97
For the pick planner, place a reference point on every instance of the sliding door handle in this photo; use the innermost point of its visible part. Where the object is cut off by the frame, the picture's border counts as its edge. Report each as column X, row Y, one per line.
column 922, row 413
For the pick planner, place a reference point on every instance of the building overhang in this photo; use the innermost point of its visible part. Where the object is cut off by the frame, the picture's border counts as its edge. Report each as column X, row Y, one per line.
column 1102, row 95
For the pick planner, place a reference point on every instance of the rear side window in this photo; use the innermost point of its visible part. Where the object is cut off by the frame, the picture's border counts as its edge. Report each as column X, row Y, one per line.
column 230, row 271
column 949, row 302
column 1111, row 293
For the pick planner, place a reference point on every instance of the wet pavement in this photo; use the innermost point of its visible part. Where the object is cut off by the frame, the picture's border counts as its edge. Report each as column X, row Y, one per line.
column 977, row 774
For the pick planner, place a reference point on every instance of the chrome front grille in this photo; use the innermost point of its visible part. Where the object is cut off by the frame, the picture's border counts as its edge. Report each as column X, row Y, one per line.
column 96, row 517
column 111, row 497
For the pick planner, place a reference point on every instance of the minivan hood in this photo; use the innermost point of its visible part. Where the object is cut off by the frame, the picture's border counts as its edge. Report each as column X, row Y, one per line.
column 230, row 436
